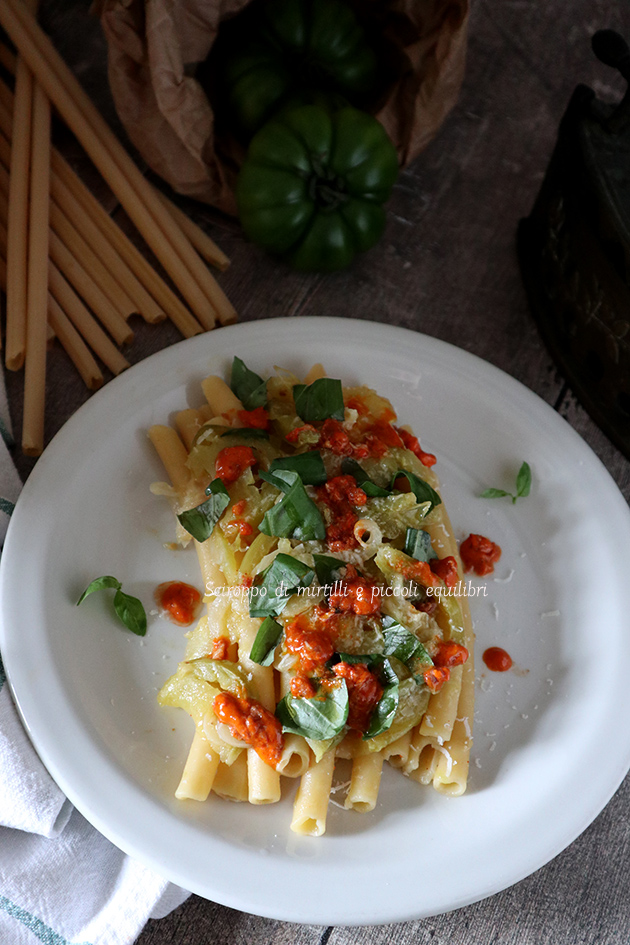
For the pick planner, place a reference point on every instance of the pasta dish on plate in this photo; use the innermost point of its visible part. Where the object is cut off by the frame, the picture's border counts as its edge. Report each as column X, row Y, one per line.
column 332, row 629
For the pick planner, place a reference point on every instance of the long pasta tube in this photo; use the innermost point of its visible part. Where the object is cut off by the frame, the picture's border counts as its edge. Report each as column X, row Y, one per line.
column 200, row 769
column 364, row 782
column 311, row 801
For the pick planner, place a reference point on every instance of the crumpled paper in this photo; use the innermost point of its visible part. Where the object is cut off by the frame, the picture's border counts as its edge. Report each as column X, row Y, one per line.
column 155, row 46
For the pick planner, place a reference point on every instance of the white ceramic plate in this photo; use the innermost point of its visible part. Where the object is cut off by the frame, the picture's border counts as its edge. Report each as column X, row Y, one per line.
column 544, row 763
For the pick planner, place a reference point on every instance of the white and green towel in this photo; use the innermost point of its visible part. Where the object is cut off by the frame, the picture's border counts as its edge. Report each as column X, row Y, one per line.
column 61, row 882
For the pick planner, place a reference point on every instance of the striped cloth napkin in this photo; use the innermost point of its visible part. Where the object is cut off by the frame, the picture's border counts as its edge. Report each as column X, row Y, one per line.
column 61, row 882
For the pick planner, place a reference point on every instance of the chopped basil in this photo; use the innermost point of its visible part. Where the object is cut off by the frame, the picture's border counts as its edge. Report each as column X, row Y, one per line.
column 418, row 545
column 264, row 646
column 319, row 401
column 403, row 644
column 350, row 467
column 523, row 486
column 385, row 709
column 200, row 521
column 328, row 569
column 129, row 610
column 421, row 489
column 317, row 718
column 284, row 576
column 309, row 466
column 250, row 388
column 246, row 433
column 295, row 515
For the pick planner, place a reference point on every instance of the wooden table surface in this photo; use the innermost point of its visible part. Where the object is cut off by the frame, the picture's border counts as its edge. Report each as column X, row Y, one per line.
column 447, row 267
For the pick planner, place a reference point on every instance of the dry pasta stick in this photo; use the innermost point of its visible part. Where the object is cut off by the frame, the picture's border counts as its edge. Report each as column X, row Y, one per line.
column 74, row 345
column 89, row 291
column 37, row 285
column 144, row 272
column 97, row 228
column 17, row 222
column 91, row 262
column 205, row 246
column 97, row 239
column 133, row 190
column 87, row 327
column 8, row 59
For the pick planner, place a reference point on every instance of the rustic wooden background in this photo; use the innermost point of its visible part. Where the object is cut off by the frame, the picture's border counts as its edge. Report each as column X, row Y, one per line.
column 447, row 267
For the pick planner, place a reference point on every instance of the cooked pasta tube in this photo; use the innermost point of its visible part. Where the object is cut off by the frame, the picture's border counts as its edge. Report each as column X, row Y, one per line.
column 296, row 757
column 231, row 780
column 310, row 808
column 219, row 395
column 397, row 752
column 441, row 712
column 365, row 781
column 200, row 769
column 263, row 781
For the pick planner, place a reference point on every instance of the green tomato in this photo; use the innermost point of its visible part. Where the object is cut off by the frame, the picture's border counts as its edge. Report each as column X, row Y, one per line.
column 313, row 184
column 280, row 49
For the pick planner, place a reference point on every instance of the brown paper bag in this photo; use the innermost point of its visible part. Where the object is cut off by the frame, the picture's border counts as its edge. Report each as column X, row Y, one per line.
column 155, row 46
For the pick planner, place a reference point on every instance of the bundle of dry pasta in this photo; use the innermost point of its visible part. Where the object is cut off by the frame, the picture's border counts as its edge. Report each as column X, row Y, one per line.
column 66, row 267
column 333, row 627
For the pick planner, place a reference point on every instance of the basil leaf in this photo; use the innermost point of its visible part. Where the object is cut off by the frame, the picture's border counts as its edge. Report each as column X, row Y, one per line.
column 385, row 709
column 418, row 545
column 296, row 515
column 421, row 489
column 98, row 584
column 284, row 576
column 200, row 521
column 266, row 641
column 246, row 433
column 350, row 467
column 130, row 610
column 316, row 718
column 250, row 388
column 328, row 569
column 523, row 482
column 402, row 643
column 320, row 400
column 494, row 494
column 309, row 466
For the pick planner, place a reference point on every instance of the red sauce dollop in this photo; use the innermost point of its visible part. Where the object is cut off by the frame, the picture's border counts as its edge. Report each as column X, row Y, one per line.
column 220, row 647
column 311, row 644
column 342, row 496
column 355, row 595
column 479, row 554
column 497, row 659
column 364, row 691
column 446, row 569
column 412, row 443
column 450, row 654
column 250, row 722
column 232, row 462
column 258, row 418
column 180, row 601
